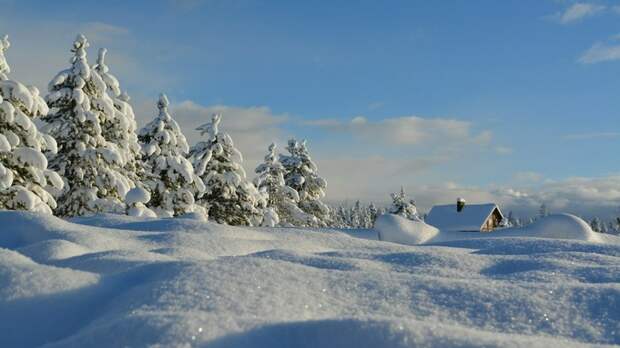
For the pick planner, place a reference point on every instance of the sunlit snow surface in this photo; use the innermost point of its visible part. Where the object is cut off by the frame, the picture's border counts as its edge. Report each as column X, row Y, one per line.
column 112, row 281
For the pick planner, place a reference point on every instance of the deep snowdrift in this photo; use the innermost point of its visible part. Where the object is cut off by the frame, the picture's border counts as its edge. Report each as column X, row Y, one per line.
column 121, row 281
column 397, row 229
column 393, row 228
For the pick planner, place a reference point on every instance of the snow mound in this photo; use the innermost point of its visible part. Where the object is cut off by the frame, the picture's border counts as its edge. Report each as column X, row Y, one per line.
column 21, row 278
column 561, row 226
column 397, row 229
column 370, row 334
column 52, row 250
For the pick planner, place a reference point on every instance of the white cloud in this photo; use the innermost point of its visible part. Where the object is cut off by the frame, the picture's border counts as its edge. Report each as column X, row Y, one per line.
column 376, row 105
column 102, row 32
column 579, row 11
column 371, row 178
column 593, row 135
column 527, row 177
column 41, row 48
column 408, row 130
column 601, row 52
column 503, row 150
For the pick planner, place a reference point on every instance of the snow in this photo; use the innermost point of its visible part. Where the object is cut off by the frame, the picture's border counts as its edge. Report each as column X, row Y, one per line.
column 31, row 157
column 471, row 218
column 557, row 226
column 137, row 195
column 125, row 281
column 397, row 229
column 5, row 146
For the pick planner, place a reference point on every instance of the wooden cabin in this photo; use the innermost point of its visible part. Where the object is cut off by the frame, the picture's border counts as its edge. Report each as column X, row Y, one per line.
column 464, row 217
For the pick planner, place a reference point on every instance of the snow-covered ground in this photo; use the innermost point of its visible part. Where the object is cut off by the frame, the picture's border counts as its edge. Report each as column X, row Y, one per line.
column 119, row 281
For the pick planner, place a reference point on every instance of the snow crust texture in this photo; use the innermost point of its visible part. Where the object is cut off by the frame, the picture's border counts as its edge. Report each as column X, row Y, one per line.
column 113, row 281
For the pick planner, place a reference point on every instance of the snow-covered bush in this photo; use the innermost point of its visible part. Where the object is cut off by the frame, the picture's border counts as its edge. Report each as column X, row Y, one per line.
column 136, row 200
column 89, row 165
column 171, row 181
column 24, row 177
column 282, row 199
column 229, row 196
column 120, row 129
column 400, row 206
column 301, row 175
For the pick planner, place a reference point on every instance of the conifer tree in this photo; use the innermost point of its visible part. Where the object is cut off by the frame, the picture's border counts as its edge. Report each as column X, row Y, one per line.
column 357, row 215
column 120, row 129
column 373, row 213
column 301, row 175
column 229, row 196
column 543, row 211
column 281, row 198
column 596, row 224
column 337, row 217
column 24, row 177
column 400, row 206
column 172, row 181
column 86, row 161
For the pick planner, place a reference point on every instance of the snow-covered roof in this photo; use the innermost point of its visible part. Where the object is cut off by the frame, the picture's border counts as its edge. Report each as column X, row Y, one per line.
column 471, row 218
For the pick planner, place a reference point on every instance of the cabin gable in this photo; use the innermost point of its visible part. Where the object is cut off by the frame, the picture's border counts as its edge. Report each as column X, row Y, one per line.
column 493, row 221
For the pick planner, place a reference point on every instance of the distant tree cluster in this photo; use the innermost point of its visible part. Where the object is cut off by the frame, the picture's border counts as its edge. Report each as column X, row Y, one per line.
column 364, row 216
column 356, row 215
column 610, row 227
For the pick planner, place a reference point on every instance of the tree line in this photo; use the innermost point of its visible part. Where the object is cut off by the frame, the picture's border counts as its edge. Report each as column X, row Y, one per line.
column 88, row 157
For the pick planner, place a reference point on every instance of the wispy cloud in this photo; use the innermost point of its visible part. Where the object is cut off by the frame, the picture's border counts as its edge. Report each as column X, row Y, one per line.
column 131, row 62
column 601, row 52
column 407, row 130
column 376, row 105
column 593, row 135
column 102, row 32
column 579, row 11
column 527, row 177
column 503, row 150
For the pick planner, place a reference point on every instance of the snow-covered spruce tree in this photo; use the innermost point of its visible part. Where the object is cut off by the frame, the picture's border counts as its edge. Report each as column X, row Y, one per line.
column 400, row 206
column 120, row 130
column 301, row 175
column 172, row 180
column 281, row 198
column 543, row 211
column 338, row 217
column 90, row 167
column 229, row 196
column 373, row 213
column 24, row 177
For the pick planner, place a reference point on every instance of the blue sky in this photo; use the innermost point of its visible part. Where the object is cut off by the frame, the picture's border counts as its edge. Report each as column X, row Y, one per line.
column 512, row 101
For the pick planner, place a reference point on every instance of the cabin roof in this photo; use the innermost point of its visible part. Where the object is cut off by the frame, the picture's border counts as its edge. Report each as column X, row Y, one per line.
column 471, row 218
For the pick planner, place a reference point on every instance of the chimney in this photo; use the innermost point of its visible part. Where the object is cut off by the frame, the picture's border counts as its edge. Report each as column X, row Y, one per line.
column 460, row 204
